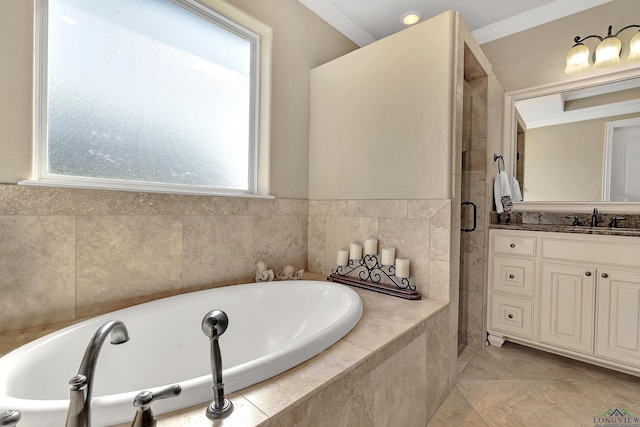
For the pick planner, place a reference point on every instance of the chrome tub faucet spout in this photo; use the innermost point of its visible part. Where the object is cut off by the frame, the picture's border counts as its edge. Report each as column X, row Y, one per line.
column 79, row 413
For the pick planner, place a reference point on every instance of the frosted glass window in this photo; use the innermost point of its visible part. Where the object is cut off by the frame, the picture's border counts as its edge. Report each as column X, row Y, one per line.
column 148, row 91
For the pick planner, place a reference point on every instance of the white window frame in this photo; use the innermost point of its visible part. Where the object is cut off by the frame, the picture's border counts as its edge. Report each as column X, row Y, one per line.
column 258, row 141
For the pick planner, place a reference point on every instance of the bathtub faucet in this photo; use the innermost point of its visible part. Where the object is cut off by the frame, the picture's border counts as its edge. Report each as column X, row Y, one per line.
column 79, row 413
column 10, row 418
column 214, row 324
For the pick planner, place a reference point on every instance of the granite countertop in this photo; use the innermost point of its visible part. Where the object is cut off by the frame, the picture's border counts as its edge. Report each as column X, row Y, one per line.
column 560, row 222
column 555, row 228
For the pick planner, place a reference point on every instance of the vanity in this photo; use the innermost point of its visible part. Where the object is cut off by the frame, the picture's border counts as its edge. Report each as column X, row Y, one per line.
column 573, row 291
column 562, row 277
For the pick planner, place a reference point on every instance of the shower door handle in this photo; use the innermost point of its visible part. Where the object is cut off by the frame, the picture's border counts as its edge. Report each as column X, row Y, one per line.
column 475, row 210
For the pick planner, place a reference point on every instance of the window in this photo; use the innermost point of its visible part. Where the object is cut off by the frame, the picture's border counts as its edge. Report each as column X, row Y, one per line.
column 147, row 94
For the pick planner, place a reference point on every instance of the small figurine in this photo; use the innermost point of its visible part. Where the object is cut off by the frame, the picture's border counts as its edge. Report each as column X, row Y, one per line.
column 262, row 273
column 290, row 273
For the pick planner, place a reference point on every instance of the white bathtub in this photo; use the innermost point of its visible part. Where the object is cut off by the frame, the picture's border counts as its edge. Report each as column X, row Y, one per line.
column 273, row 326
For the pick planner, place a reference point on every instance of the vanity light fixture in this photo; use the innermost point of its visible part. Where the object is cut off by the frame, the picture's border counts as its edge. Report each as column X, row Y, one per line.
column 410, row 18
column 607, row 52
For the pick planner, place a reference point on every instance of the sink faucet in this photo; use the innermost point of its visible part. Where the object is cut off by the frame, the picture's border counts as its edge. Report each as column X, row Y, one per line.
column 594, row 218
column 79, row 413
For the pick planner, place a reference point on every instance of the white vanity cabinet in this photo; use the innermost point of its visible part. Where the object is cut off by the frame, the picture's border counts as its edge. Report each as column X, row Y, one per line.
column 573, row 294
column 618, row 327
column 567, row 306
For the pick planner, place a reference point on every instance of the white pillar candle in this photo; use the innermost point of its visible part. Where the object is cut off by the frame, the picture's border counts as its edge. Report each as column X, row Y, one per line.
column 402, row 267
column 355, row 252
column 371, row 247
column 343, row 258
column 388, row 256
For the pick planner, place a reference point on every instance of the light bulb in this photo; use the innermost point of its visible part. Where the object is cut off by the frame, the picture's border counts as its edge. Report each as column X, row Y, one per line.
column 410, row 18
column 577, row 59
column 608, row 52
column 634, row 48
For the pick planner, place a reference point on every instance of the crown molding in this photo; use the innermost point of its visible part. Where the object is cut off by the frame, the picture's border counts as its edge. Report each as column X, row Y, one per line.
column 538, row 16
column 338, row 20
column 541, row 15
column 590, row 113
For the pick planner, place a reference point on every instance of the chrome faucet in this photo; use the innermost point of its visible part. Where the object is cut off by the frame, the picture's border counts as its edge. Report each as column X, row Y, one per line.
column 594, row 218
column 10, row 418
column 79, row 413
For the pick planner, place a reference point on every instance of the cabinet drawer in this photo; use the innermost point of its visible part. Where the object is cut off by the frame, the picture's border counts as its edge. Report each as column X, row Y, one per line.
column 514, row 245
column 513, row 276
column 512, row 316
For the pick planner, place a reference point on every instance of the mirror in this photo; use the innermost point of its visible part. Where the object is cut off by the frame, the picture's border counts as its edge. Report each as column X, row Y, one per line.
column 576, row 143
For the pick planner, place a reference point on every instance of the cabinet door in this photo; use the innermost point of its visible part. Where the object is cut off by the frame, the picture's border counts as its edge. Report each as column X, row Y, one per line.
column 618, row 331
column 567, row 306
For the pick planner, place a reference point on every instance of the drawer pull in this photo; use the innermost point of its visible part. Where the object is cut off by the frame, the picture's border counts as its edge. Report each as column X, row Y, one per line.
column 587, row 273
column 510, row 316
column 513, row 245
column 605, row 275
column 511, row 276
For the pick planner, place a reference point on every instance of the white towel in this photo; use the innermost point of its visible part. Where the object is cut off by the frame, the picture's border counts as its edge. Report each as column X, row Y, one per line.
column 502, row 192
column 517, row 194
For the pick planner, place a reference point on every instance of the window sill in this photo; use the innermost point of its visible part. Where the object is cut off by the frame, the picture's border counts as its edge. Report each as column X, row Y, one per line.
column 140, row 187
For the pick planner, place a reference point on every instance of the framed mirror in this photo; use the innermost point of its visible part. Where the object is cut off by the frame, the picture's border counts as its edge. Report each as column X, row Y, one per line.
column 574, row 146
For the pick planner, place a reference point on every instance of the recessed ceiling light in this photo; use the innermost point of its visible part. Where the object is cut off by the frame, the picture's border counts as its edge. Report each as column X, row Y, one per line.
column 410, row 18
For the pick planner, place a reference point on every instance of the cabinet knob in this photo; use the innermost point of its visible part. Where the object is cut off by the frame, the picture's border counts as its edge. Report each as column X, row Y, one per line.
column 587, row 273
column 510, row 316
column 511, row 276
column 513, row 245
column 605, row 275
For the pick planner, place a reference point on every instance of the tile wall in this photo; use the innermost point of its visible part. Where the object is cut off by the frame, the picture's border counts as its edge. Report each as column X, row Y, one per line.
column 69, row 253
column 419, row 230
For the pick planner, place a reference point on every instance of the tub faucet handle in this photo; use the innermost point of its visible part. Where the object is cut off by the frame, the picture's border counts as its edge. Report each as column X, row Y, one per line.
column 10, row 418
column 576, row 220
column 144, row 417
column 614, row 221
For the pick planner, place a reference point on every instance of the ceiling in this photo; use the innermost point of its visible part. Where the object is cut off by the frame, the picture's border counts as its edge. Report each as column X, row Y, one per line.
column 365, row 21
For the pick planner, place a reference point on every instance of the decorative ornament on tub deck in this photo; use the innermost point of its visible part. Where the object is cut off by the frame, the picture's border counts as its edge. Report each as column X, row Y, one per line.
column 386, row 274
column 263, row 274
column 290, row 273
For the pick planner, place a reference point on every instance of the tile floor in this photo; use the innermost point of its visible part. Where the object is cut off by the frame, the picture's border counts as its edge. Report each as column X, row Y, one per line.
column 519, row 386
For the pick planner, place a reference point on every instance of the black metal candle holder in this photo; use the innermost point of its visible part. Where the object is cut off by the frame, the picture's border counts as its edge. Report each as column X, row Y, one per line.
column 369, row 273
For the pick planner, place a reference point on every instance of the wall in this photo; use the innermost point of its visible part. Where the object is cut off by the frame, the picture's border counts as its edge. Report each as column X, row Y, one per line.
column 365, row 124
column 68, row 254
column 383, row 136
column 581, row 180
column 386, row 156
column 301, row 41
column 72, row 253
column 537, row 56
column 418, row 229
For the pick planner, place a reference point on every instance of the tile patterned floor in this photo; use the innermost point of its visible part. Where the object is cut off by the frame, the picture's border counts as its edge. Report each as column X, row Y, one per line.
column 519, row 386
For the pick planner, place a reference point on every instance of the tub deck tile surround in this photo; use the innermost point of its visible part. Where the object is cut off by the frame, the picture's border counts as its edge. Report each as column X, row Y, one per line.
column 345, row 383
column 391, row 335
